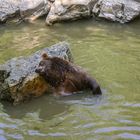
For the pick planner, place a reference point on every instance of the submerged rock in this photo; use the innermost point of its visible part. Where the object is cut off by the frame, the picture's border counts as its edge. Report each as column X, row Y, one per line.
column 18, row 80
column 117, row 10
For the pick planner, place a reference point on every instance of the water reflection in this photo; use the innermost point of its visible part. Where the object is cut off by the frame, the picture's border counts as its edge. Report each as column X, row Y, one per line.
column 44, row 107
column 47, row 106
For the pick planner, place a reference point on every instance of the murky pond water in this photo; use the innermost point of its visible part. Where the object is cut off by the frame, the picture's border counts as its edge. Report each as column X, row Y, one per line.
column 110, row 52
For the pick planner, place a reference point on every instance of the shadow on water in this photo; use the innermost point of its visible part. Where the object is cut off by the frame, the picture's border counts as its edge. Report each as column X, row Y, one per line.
column 49, row 106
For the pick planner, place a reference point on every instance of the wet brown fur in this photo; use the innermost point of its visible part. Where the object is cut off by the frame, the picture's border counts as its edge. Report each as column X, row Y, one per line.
column 65, row 77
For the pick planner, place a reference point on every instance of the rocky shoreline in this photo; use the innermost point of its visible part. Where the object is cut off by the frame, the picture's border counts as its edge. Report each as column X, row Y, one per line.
column 121, row 11
column 18, row 80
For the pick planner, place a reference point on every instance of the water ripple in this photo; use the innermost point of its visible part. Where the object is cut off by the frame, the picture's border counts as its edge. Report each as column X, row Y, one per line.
column 111, row 129
column 129, row 136
column 3, row 125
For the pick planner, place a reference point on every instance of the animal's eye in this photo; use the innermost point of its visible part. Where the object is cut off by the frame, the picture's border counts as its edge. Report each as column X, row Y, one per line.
column 41, row 63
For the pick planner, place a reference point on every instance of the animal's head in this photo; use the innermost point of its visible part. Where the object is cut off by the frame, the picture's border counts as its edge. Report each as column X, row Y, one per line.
column 52, row 69
column 43, row 65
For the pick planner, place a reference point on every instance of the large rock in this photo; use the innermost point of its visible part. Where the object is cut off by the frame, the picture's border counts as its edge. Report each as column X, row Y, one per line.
column 114, row 10
column 23, row 9
column 8, row 9
column 18, row 80
column 32, row 9
column 63, row 10
column 117, row 10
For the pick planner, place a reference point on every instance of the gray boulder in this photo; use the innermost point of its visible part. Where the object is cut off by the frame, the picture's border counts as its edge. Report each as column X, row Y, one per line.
column 66, row 10
column 63, row 10
column 113, row 10
column 32, row 9
column 23, row 9
column 117, row 10
column 8, row 9
column 18, row 80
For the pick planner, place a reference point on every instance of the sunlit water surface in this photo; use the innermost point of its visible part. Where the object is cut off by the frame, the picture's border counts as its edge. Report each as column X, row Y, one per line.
column 110, row 52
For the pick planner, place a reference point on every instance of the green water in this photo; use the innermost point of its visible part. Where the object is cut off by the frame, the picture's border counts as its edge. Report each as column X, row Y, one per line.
column 110, row 52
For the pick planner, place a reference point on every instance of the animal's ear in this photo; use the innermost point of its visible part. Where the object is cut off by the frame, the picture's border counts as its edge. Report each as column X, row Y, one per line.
column 44, row 56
